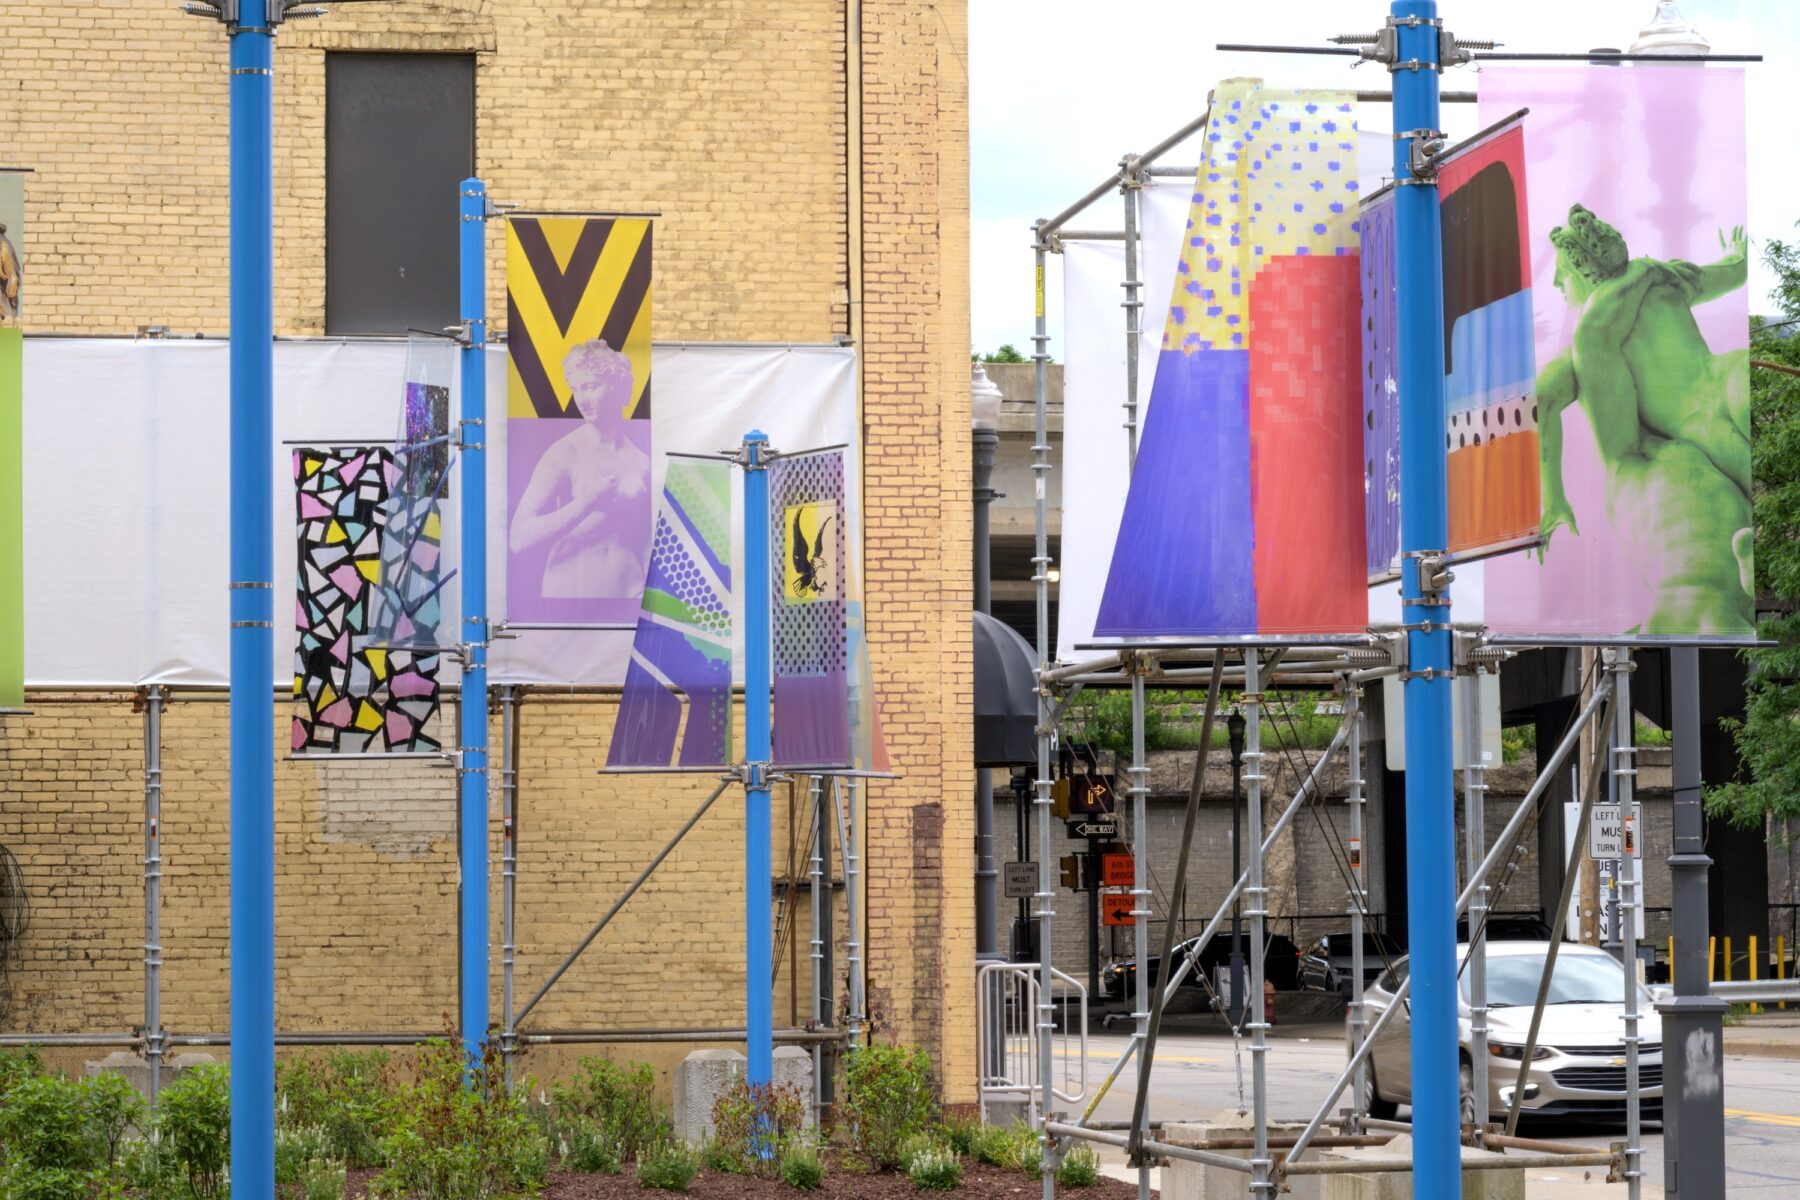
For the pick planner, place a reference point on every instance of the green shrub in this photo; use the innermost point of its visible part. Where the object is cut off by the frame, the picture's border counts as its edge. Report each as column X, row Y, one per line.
column 194, row 1118
column 620, row 1101
column 752, row 1123
column 1014, row 1147
column 147, row 1167
column 588, row 1148
column 18, row 1065
column 347, row 1094
column 20, row 1180
column 296, row 1150
column 800, row 1165
column 887, row 1100
column 458, row 1134
column 959, row 1131
column 110, row 1108
column 1079, row 1168
column 668, row 1166
column 931, row 1165
column 41, row 1126
column 716, row 1156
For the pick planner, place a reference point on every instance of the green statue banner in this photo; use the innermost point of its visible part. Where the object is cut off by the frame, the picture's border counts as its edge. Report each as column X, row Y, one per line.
column 12, row 457
column 1641, row 318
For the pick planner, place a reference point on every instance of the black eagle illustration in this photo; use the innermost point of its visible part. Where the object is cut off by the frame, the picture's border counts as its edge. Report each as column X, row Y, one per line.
column 808, row 558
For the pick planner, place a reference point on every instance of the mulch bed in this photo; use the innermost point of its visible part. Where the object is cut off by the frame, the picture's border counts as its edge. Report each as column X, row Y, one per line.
column 980, row 1182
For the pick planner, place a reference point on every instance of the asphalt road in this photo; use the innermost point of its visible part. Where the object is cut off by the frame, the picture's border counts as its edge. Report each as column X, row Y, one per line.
column 1196, row 1078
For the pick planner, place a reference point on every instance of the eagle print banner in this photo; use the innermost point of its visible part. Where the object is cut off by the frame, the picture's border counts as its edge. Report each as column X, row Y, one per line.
column 578, row 304
column 351, row 695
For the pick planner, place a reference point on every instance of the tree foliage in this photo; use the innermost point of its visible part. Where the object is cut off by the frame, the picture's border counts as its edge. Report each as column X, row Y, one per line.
column 1768, row 738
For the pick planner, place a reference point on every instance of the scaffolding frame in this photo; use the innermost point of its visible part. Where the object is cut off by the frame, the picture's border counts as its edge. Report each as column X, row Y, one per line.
column 1345, row 668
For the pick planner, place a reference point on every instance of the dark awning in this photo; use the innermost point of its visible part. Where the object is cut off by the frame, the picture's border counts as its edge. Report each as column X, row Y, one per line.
column 1005, row 696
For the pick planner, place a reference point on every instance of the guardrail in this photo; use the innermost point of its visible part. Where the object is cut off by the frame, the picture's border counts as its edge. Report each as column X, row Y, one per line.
column 1006, row 997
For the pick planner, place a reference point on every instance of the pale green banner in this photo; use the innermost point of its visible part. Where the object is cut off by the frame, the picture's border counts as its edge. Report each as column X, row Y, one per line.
column 12, row 458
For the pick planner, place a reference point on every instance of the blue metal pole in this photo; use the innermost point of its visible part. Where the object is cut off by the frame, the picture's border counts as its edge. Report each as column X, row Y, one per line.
column 1424, row 531
column 473, row 851
column 252, row 605
column 759, row 1014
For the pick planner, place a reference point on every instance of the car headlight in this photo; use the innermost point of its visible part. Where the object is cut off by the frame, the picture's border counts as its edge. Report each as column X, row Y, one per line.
column 1507, row 1050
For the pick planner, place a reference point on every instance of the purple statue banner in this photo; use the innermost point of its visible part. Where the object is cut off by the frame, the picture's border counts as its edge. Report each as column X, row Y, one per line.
column 1640, row 312
column 578, row 500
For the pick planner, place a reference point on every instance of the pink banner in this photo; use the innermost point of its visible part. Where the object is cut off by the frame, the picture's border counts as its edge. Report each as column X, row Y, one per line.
column 1641, row 323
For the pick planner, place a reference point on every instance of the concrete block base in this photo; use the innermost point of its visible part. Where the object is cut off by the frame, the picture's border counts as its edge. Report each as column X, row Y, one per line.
column 136, row 1070
column 705, row 1075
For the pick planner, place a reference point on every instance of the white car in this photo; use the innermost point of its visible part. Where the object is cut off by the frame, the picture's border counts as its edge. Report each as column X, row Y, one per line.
column 1578, row 1066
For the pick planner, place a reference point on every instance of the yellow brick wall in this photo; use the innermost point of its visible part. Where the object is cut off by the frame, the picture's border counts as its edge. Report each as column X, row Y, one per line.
column 733, row 119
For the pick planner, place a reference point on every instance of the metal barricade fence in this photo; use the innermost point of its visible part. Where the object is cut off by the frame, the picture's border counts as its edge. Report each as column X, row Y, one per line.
column 1006, row 1021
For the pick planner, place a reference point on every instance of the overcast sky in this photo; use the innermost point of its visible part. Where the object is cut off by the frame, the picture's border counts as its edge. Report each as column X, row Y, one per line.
column 1061, row 89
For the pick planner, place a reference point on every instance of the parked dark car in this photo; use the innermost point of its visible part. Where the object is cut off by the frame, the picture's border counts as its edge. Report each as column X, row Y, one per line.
column 1508, row 927
column 1327, row 964
column 1281, row 963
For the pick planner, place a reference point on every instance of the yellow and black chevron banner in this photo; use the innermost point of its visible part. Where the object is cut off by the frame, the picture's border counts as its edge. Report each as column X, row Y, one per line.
column 570, row 280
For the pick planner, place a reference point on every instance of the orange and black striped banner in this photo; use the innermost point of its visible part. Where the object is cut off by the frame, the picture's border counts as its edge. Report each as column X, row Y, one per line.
column 571, row 280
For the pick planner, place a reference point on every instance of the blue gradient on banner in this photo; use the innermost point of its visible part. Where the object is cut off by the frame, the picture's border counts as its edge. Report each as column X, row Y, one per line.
column 1494, row 354
column 1184, row 558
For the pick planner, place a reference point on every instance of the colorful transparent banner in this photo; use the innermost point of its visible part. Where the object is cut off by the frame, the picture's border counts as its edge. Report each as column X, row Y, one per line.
column 1244, row 517
column 1490, row 366
column 579, row 304
column 12, row 434
column 1641, row 316
column 352, row 694
column 676, row 710
column 407, row 601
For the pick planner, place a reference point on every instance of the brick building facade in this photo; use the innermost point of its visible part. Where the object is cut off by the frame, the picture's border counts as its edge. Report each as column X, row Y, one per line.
column 809, row 163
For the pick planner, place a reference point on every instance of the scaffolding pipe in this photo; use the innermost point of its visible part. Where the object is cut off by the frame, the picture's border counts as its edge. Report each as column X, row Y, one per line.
column 1474, row 837
column 845, row 807
column 1162, row 1149
column 1140, row 893
column 816, row 879
column 1258, row 895
column 1040, row 577
column 509, row 868
column 1624, row 769
column 1571, row 872
column 1359, row 895
column 1177, row 899
column 1044, row 228
column 1130, row 184
column 130, row 1041
column 153, row 871
column 618, row 904
column 1501, row 848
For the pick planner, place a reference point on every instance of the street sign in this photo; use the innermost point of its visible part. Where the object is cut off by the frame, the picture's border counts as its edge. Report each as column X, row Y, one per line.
column 1115, row 908
column 1607, row 833
column 1117, row 870
column 1094, row 829
column 1019, row 880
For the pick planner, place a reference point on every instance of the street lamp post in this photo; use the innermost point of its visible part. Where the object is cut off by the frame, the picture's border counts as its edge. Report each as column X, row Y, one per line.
column 984, row 405
column 1234, row 729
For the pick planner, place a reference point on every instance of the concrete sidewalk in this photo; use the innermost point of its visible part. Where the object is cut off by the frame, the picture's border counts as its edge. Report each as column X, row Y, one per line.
column 1765, row 1035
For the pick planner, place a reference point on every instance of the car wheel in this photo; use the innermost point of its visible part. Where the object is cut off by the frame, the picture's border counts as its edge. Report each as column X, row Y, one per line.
column 1466, row 1106
column 1373, row 1104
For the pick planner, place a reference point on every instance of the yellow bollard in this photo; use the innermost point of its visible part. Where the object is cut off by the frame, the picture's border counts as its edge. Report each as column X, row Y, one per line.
column 1781, row 962
column 1671, row 959
column 1712, row 958
column 1754, row 1007
column 1728, row 958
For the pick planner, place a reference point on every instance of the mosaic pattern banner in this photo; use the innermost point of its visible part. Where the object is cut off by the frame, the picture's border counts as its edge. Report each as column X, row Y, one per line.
column 1636, row 216
column 1244, row 516
column 1490, row 379
column 578, row 430
column 350, row 695
column 12, row 432
column 676, row 710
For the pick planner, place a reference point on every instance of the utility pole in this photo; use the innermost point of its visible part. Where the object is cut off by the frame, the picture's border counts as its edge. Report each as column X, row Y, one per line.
column 1234, row 730
column 1693, row 1021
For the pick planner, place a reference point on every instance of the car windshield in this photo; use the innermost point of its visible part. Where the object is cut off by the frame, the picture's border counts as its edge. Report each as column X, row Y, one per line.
column 1512, row 979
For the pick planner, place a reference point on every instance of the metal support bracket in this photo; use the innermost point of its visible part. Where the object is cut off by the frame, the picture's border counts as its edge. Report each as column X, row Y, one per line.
column 1434, row 576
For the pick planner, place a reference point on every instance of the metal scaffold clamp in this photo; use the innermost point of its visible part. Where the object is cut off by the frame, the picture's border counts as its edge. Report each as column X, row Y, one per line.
column 1434, row 577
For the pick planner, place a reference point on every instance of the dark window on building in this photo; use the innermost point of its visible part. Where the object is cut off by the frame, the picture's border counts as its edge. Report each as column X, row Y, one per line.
column 399, row 137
